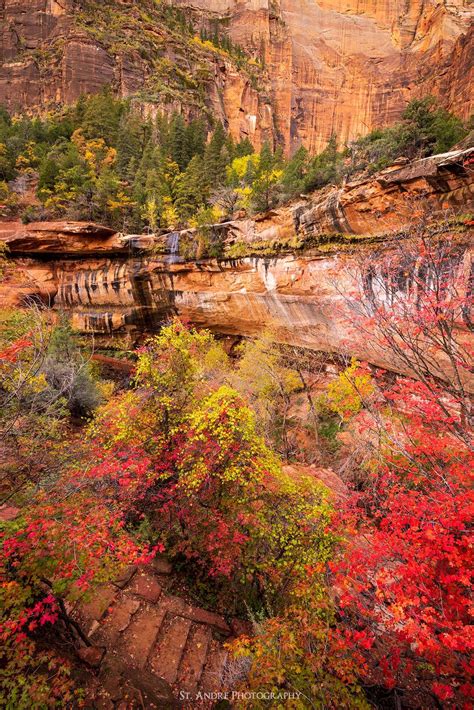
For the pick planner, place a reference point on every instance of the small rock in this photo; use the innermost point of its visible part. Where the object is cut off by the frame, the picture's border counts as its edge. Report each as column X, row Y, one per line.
column 8, row 513
column 94, row 626
column 146, row 586
column 162, row 566
column 92, row 655
column 125, row 576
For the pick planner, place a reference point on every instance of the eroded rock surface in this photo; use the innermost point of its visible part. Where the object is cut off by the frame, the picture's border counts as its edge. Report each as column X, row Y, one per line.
column 346, row 66
column 111, row 287
column 332, row 66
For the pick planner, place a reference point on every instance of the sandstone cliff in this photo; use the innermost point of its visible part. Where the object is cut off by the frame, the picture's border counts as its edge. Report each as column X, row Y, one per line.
column 52, row 51
column 333, row 66
column 111, row 285
column 345, row 66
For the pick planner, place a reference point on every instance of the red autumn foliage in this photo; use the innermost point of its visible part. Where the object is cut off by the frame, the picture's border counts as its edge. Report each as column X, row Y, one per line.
column 406, row 577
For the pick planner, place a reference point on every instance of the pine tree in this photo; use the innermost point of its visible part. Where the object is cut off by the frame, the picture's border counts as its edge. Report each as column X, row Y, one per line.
column 215, row 161
column 178, row 142
column 325, row 167
column 268, row 175
column 101, row 116
column 132, row 137
column 195, row 139
column 192, row 191
column 243, row 147
column 293, row 181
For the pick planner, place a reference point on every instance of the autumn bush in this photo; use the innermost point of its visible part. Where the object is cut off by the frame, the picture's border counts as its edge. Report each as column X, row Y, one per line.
column 391, row 612
column 71, row 533
column 221, row 500
column 351, row 599
column 405, row 578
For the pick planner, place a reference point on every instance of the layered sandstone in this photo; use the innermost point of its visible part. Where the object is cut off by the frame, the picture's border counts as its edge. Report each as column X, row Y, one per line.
column 333, row 66
column 374, row 207
column 60, row 237
column 112, row 285
column 306, row 300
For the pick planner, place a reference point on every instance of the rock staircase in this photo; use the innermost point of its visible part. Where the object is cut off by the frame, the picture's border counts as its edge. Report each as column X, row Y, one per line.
column 150, row 648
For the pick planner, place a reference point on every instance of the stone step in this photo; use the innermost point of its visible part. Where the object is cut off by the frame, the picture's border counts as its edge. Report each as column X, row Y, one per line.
column 144, row 585
column 166, row 657
column 176, row 605
column 116, row 622
column 125, row 575
column 211, row 680
column 161, row 565
column 137, row 641
column 194, row 658
column 90, row 614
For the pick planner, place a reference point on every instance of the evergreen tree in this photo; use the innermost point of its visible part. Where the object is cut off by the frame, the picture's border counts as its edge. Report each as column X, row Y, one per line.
column 163, row 133
column 195, row 139
column 243, row 147
column 324, row 168
column 101, row 116
column 179, row 148
column 192, row 191
column 132, row 136
column 434, row 129
column 293, row 181
column 268, row 176
column 215, row 160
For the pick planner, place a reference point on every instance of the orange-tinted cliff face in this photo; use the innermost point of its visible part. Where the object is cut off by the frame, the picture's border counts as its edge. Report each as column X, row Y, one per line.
column 347, row 66
column 330, row 66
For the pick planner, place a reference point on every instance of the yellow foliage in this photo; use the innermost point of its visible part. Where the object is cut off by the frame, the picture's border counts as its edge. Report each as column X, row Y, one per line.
column 120, row 202
column 240, row 166
column 347, row 394
column 95, row 152
column 128, row 418
column 169, row 214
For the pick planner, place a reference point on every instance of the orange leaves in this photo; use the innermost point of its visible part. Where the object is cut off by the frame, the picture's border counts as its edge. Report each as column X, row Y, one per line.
column 11, row 353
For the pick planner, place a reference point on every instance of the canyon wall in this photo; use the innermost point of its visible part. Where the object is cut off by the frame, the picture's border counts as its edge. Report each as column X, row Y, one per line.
column 53, row 51
column 113, row 286
column 310, row 301
column 347, row 66
column 333, row 66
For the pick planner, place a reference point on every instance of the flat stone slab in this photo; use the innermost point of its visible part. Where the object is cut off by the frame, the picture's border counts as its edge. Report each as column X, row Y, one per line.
column 100, row 602
column 194, row 658
column 137, row 641
column 176, row 605
column 161, row 565
column 166, row 658
column 146, row 586
column 117, row 620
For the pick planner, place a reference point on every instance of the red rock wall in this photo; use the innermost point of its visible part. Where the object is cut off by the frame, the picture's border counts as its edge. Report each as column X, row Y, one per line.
column 335, row 66
column 306, row 299
column 347, row 66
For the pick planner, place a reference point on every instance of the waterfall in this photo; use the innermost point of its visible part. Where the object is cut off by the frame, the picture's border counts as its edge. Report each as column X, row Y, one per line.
column 173, row 248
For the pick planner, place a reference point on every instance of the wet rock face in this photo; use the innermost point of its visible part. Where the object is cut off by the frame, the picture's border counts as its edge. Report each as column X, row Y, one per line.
column 308, row 301
column 114, row 296
column 333, row 66
column 111, row 287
